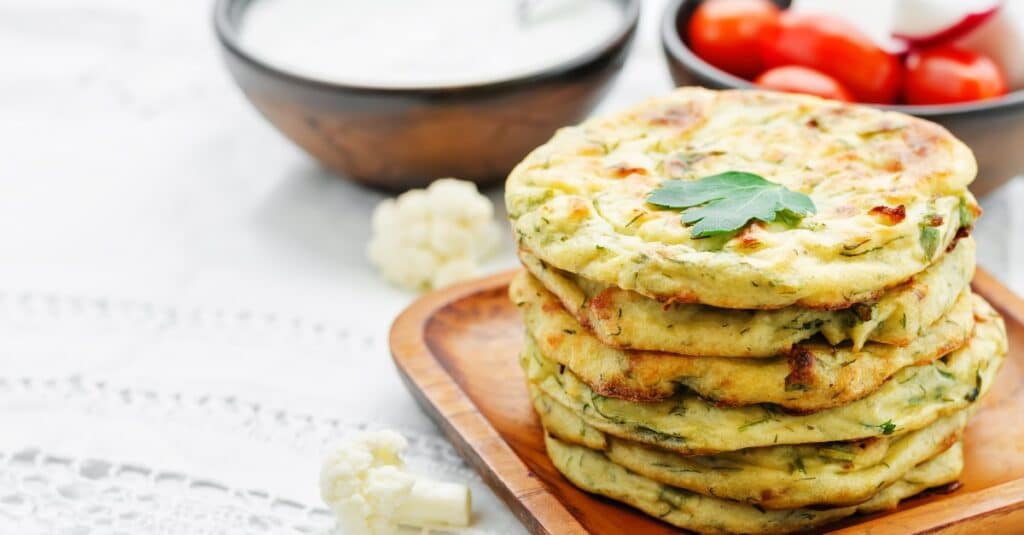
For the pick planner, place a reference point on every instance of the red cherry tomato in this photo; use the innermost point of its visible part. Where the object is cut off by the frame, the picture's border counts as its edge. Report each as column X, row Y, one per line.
column 836, row 48
column 796, row 79
column 946, row 75
column 725, row 33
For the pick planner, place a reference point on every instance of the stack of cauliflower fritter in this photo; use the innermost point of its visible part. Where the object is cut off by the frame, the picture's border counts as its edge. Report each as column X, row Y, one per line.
column 818, row 359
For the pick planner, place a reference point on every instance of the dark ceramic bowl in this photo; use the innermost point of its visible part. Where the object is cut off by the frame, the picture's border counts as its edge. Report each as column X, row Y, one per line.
column 994, row 129
column 402, row 138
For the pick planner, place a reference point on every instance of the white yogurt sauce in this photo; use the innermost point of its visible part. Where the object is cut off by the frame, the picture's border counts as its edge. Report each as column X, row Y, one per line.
column 410, row 43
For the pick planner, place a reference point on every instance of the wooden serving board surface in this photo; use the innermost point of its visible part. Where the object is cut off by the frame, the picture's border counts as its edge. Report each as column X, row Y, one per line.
column 457, row 351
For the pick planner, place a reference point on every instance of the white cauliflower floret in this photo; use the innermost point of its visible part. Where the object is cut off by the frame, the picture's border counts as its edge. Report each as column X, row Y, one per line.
column 432, row 238
column 364, row 482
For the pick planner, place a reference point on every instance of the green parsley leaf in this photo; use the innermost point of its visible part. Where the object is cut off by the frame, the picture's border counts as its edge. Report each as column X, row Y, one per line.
column 929, row 240
column 887, row 427
column 966, row 215
column 748, row 425
column 798, row 464
column 727, row 202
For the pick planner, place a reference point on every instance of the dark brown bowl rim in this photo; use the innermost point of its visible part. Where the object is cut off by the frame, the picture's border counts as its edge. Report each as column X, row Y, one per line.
column 227, row 34
column 673, row 44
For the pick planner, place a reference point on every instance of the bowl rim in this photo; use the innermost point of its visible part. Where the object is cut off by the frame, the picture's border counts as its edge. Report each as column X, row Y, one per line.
column 676, row 49
column 227, row 32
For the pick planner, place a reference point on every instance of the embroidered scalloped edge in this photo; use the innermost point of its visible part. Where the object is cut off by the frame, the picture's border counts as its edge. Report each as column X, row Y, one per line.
column 41, row 491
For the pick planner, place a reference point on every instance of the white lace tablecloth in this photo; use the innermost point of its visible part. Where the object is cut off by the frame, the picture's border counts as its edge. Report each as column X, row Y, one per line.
column 186, row 314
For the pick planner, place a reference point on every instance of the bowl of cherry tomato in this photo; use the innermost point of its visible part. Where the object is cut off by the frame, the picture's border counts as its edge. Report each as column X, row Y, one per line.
column 960, row 64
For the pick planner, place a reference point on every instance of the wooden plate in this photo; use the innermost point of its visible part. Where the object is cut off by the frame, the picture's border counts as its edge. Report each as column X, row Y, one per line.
column 457, row 351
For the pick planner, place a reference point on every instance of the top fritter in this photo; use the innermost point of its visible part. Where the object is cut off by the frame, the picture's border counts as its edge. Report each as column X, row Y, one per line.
column 888, row 190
